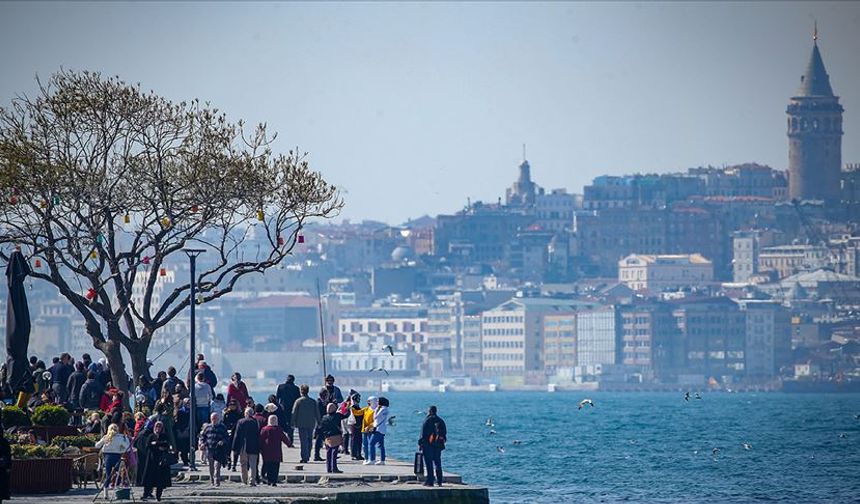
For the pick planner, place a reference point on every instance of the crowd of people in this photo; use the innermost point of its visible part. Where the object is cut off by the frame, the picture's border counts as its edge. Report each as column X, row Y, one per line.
column 151, row 431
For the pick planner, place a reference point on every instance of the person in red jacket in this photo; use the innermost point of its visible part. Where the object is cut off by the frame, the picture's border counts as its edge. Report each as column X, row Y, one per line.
column 237, row 390
column 271, row 438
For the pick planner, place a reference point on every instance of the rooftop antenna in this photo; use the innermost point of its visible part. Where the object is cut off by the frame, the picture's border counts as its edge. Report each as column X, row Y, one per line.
column 814, row 31
column 524, row 152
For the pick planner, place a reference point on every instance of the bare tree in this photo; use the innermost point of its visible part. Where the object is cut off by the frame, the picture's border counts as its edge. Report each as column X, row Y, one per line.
column 102, row 183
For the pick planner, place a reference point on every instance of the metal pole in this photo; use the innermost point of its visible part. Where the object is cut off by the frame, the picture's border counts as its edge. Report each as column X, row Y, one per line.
column 192, row 421
column 322, row 329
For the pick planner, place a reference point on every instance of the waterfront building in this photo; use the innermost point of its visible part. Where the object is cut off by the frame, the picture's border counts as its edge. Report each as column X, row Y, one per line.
column 512, row 335
column 559, row 335
column 664, row 272
column 768, row 338
column 814, row 128
column 712, row 332
column 472, row 360
column 648, row 339
column 597, row 336
column 403, row 327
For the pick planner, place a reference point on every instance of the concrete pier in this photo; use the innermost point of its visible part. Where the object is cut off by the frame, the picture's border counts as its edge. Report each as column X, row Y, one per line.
column 393, row 483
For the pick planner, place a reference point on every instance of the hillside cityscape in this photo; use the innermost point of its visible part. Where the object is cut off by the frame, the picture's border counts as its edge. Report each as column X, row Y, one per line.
column 724, row 277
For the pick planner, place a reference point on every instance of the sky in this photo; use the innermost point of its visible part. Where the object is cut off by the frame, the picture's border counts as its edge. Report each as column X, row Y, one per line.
column 411, row 108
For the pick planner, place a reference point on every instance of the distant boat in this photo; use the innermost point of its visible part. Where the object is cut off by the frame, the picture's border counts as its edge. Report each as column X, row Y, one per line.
column 443, row 388
column 550, row 387
column 492, row 387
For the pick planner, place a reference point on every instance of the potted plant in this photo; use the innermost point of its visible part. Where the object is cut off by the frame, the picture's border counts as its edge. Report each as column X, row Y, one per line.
column 39, row 469
column 50, row 420
column 14, row 416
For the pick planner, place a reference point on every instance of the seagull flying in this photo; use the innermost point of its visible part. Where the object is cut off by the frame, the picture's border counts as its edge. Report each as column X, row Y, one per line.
column 856, row 417
column 500, row 449
column 516, row 442
column 490, row 423
column 698, row 396
column 391, row 420
column 715, row 451
column 585, row 402
column 390, row 349
column 687, row 396
column 842, row 435
column 380, row 369
column 747, row 446
column 493, row 432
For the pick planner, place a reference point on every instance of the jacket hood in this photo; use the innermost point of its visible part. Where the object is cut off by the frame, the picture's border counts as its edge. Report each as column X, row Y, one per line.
column 373, row 401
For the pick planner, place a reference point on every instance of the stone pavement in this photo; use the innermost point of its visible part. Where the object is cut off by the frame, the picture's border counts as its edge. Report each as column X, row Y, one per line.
column 292, row 471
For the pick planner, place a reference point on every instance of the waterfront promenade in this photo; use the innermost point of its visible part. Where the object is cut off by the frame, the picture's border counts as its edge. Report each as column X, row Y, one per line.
column 393, row 483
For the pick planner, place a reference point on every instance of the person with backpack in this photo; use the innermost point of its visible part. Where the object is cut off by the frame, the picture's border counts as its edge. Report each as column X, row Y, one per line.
column 91, row 393
column 434, row 435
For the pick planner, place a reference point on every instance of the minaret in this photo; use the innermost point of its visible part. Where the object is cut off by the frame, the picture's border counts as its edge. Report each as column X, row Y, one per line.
column 814, row 135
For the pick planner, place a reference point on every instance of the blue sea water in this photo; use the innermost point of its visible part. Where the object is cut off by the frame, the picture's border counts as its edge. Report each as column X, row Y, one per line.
column 644, row 447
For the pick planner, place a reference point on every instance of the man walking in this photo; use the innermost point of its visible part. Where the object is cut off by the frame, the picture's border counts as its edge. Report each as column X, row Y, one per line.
column 434, row 435
column 246, row 443
column 287, row 395
column 306, row 417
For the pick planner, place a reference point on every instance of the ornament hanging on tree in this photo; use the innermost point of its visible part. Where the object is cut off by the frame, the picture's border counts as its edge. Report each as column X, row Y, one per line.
column 260, row 215
column 195, row 208
column 37, row 263
column 301, row 239
column 13, row 199
column 165, row 222
column 280, row 241
column 145, row 260
column 56, row 200
column 126, row 218
column 94, row 255
column 162, row 272
column 91, row 294
column 43, row 204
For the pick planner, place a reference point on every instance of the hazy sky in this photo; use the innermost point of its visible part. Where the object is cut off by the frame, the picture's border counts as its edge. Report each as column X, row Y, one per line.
column 411, row 108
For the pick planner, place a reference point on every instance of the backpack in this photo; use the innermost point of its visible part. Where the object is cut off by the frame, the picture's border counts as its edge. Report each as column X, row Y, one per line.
column 437, row 439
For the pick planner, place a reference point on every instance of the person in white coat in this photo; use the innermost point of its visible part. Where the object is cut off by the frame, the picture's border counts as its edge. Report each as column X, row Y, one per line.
column 380, row 427
column 113, row 445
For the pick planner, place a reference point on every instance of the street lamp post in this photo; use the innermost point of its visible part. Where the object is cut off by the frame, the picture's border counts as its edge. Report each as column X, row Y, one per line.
column 192, row 420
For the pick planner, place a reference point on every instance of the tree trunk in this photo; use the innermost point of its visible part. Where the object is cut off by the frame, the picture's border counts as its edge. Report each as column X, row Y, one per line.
column 139, row 364
column 118, row 375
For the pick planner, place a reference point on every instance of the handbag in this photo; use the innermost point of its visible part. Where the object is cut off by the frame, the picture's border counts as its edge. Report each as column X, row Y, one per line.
column 418, row 465
column 333, row 441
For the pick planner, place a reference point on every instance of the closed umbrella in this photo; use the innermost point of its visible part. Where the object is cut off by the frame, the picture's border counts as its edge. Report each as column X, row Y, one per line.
column 17, row 326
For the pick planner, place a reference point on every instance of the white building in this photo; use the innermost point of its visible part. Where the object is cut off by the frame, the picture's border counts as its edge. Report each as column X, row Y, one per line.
column 403, row 327
column 512, row 334
column 664, row 272
column 596, row 336
column 787, row 260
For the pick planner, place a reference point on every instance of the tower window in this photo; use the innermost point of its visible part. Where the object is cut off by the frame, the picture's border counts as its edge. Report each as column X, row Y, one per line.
column 803, row 124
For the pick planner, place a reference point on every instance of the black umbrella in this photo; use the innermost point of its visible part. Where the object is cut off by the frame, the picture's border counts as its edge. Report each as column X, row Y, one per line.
column 17, row 324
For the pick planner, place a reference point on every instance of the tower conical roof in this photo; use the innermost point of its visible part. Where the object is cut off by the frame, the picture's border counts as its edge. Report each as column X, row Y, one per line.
column 815, row 81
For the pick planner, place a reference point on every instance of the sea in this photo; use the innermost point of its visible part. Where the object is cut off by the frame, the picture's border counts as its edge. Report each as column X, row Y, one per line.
column 643, row 447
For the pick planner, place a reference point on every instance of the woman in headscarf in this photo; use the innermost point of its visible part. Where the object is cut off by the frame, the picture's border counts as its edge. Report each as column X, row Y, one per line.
column 271, row 438
column 155, row 468
column 231, row 416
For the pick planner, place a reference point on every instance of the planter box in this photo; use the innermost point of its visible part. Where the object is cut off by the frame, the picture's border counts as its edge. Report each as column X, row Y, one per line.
column 50, row 432
column 36, row 476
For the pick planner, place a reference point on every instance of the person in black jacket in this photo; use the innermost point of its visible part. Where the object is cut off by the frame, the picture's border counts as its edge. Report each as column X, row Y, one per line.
column 91, row 393
column 75, row 383
column 287, row 394
column 156, row 465
column 434, row 435
column 60, row 373
column 246, row 442
column 332, row 436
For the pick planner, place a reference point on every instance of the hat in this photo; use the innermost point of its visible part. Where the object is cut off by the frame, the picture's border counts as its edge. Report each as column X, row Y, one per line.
column 270, row 407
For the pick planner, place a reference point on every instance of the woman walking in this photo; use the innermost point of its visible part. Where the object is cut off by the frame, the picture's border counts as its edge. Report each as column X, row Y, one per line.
column 271, row 438
column 113, row 446
column 156, row 466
